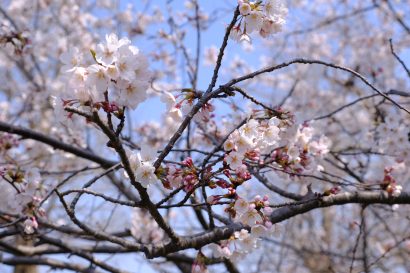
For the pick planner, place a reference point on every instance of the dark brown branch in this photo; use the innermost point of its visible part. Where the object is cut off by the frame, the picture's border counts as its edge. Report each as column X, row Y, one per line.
column 307, row 61
column 222, row 51
column 279, row 215
column 274, row 188
column 56, row 144
column 205, row 97
column 398, row 17
column 53, row 263
column 398, row 58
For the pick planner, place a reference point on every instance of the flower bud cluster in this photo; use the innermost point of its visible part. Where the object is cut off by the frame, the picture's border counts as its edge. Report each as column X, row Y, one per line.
column 185, row 176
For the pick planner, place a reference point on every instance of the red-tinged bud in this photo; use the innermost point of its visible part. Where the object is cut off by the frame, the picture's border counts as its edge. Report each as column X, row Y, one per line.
column 335, row 190
column 265, row 198
column 253, row 155
column 167, row 184
column 188, row 162
column 231, row 192
column 199, row 264
column 227, row 173
column 188, row 187
column 212, row 185
column 213, row 199
column 42, row 212
column 179, row 105
column 189, row 178
column 223, row 184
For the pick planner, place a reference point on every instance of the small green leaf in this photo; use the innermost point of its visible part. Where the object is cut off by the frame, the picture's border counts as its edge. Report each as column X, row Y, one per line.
column 94, row 55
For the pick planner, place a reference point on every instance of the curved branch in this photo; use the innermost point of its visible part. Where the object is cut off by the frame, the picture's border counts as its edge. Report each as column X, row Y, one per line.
column 307, row 61
column 365, row 197
column 53, row 263
column 278, row 215
column 56, row 144
column 207, row 96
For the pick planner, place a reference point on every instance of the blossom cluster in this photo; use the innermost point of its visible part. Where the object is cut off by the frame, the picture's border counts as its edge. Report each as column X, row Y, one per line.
column 254, row 214
column 389, row 184
column 29, row 194
column 142, row 164
column 302, row 151
column 265, row 17
column 241, row 243
column 119, row 75
column 292, row 148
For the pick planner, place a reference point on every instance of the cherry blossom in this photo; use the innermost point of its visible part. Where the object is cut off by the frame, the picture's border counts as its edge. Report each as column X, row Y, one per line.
column 266, row 17
column 30, row 225
column 234, row 160
column 144, row 131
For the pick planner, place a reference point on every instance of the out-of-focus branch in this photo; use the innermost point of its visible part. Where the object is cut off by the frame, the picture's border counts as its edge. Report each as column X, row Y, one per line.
column 397, row 16
column 53, row 263
column 56, row 144
column 274, row 188
column 398, row 58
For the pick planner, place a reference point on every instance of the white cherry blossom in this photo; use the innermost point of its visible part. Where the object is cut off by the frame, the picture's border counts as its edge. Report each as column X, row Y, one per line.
column 234, row 160
column 71, row 59
column 241, row 206
column 251, row 217
column 97, row 76
column 253, row 21
column 244, row 8
column 145, row 174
